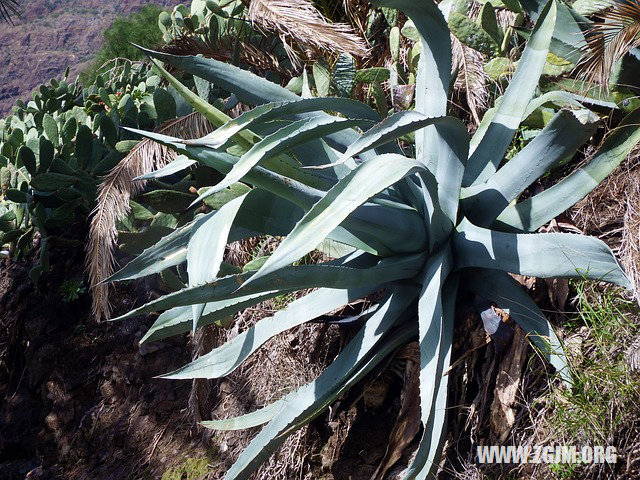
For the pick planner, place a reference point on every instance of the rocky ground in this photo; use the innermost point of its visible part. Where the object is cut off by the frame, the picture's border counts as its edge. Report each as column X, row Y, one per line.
column 51, row 36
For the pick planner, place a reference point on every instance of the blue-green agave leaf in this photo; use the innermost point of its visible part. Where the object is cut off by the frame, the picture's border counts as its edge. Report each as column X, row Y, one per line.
column 349, row 193
column 538, row 255
column 223, row 360
column 560, row 139
column 301, row 277
column 206, row 247
column 303, row 405
column 487, row 156
column 536, row 211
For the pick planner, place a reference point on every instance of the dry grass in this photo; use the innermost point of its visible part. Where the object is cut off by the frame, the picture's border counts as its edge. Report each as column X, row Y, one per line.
column 611, row 213
column 285, row 363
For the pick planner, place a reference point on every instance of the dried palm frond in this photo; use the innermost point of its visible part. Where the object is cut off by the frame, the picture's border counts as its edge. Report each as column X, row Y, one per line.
column 609, row 39
column 9, row 9
column 222, row 49
column 300, row 21
column 113, row 202
column 472, row 79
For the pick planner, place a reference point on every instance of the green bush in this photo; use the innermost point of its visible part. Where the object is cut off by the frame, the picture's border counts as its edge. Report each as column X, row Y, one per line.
column 140, row 28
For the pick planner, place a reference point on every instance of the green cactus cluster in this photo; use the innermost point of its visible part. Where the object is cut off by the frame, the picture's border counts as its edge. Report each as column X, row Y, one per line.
column 55, row 149
column 202, row 18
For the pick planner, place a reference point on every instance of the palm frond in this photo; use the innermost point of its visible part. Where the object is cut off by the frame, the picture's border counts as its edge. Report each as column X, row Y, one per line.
column 609, row 39
column 222, row 49
column 471, row 78
column 9, row 9
column 113, row 202
column 300, row 21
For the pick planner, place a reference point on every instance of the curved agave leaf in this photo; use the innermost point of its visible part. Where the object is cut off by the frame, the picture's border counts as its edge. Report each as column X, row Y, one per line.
column 267, row 413
column 487, row 156
column 278, row 110
column 180, row 319
column 503, row 290
column 562, row 136
column 281, row 184
column 246, row 86
column 349, row 193
column 425, row 462
column 301, row 406
column 178, row 165
column 301, row 277
column 249, row 420
column 403, row 228
column 279, row 142
column 205, row 251
column 565, row 99
column 538, row 255
column 261, row 213
column 434, row 68
column 536, row 211
column 434, row 324
column 225, row 359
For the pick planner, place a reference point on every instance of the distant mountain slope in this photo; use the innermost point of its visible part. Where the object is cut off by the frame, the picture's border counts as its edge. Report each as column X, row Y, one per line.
column 51, row 36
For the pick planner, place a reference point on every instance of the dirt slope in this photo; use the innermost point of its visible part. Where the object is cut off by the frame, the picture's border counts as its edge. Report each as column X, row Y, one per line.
column 51, row 36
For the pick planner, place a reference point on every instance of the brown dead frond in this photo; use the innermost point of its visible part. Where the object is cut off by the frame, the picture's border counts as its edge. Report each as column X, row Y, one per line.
column 610, row 38
column 472, row 79
column 222, row 49
column 10, row 9
column 113, row 202
column 301, row 22
column 631, row 235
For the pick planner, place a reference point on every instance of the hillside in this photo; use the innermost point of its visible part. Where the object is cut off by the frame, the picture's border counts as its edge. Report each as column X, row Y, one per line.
column 51, row 36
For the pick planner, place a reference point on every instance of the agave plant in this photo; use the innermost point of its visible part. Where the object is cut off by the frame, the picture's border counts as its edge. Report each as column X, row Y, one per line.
column 424, row 224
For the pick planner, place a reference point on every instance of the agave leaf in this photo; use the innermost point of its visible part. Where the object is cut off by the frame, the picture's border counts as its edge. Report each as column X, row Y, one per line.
column 279, row 142
column 565, row 99
column 169, row 251
column 431, row 327
column 562, row 136
column 503, row 290
column 303, row 405
column 178, row 165
column 215, row 116
column 450, row 150
column 278, row 110
column 283, row 184
column 487, row 156
column 434, row 67
column 249, row 420
column 246, row 86
column 245, row 139
column 223, row 360
column 568, row 36
column 394, row 127
column 267, row 413
column 402, row 228
column 538, row 255
column 425, row 462
column 262, row 213
column 536, row 211
column 349, row 193
column 205, row 251
column 301, row 277
column 180, row 319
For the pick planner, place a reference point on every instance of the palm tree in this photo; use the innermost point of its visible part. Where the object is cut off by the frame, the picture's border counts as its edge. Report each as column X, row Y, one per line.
column 9, row 8
column 615, row 33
